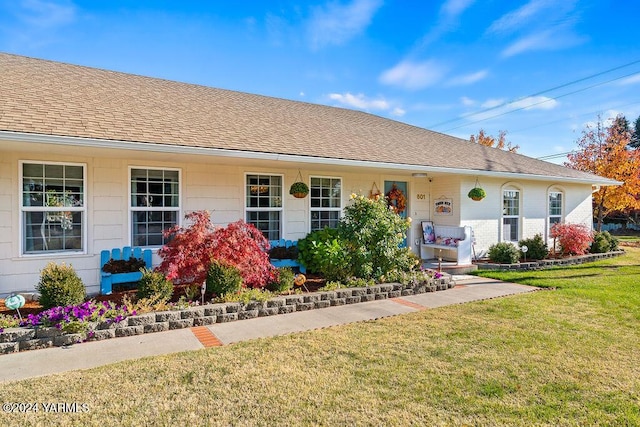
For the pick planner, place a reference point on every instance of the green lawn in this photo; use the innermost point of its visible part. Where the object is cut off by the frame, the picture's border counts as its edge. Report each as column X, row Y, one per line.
column 569, row 355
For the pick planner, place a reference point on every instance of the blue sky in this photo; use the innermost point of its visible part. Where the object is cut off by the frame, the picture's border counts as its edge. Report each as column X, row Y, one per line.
column 541, row 70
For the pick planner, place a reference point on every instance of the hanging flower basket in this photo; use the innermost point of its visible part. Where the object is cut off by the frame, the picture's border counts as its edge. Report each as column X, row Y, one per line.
column 477, row 194
column 299, row 190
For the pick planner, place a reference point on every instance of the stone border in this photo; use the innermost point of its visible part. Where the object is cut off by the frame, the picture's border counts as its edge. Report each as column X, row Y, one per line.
column 14, row 340
column 549, row 263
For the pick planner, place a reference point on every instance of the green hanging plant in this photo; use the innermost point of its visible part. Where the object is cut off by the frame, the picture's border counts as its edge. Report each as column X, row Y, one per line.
column 477, row 193
column 299, row 189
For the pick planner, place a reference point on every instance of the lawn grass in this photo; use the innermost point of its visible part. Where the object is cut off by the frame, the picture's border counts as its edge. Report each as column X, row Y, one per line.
column 565, row 356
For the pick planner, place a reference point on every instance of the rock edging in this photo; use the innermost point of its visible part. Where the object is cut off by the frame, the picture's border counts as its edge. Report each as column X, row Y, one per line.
column 13, row 340
column 549, row 263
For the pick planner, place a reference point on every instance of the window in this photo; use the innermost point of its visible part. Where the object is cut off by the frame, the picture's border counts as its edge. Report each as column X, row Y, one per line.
column 53, row 207
column 326, row 200
column 555, row 208
column 264, row 204
column 155, row 205
column 510, row 215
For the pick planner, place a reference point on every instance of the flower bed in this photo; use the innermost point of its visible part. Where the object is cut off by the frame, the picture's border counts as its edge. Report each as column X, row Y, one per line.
column 121, row 324
column 548, row 263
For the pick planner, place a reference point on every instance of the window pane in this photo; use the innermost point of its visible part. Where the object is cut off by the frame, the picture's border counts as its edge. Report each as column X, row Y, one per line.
column 268, row 222
column 325, row 202
column 511, row 203
column 52, row 231
column 157, row 192
column 510, row 229
column 264, row 203
column 320, row 220
column 52, row 187
column 555, row 203
column 148, row 227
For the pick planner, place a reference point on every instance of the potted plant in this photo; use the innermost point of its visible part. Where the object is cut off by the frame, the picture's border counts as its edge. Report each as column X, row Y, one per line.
column 477, row 194
column 299, row 189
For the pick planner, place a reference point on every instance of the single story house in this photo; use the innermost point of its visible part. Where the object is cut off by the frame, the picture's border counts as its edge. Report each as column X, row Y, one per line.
column 93, row 159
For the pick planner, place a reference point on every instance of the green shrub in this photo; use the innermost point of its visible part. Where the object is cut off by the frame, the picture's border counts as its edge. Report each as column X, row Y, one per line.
column 323, row 252
column 223, row 278
column 284, row 281
column 373, row 236
column 504, row 253
column 358, row 282
column 537, row 248
column 59, row 285
column 603, row 242
column 154, row 284
column 246, row 295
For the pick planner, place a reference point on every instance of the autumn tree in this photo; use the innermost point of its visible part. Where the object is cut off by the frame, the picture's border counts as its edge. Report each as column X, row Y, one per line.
column 635, row 135
column 490, row 141
column 604, row 151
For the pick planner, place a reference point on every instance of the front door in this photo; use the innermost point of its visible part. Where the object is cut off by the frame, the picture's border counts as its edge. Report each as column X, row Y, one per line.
column 396, row 195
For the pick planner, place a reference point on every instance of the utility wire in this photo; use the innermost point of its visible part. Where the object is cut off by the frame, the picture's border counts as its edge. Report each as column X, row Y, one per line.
column 511, row 132
column 542, row 102
column 535, row 94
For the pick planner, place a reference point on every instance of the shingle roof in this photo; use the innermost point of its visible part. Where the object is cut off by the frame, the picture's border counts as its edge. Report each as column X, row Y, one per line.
column 51, row 98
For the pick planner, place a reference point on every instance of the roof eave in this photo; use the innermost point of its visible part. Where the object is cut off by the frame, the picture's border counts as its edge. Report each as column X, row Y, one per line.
column 290, row 158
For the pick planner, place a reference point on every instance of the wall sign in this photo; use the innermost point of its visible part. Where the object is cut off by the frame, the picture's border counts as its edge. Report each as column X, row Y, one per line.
column 443, row 207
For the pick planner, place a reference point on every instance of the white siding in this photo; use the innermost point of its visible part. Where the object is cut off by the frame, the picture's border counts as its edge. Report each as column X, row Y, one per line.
column 218, row 185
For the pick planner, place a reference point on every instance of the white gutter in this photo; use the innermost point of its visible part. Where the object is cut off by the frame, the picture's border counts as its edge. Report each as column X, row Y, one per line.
column 290, row 158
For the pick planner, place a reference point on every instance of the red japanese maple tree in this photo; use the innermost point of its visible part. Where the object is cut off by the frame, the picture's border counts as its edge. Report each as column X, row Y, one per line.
column 188, row 255
column 574, row 239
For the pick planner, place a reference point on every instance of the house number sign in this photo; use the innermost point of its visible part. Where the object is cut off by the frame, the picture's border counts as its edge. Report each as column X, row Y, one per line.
column 421, row 196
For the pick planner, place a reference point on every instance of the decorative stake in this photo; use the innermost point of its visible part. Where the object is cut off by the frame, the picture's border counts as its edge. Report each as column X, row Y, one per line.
column 15, row 302
column 203, row 290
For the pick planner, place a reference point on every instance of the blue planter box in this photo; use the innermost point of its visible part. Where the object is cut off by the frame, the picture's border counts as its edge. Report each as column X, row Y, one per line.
column 279, row 263
column 107, row 280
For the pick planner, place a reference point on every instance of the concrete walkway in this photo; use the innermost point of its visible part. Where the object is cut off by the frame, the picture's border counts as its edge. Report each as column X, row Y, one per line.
column 35, row 363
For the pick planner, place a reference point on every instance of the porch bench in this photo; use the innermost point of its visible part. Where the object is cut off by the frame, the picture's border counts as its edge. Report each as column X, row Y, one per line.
column 286, row 262
column 107, row 280
column 454, row 241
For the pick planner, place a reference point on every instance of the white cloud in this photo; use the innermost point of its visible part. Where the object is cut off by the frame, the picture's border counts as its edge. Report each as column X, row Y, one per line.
column 468, row 79
column 534, row 103
column 362, row 102
column 519, row 17
column 35, row 23
column 454, row 8
column 336, row 23
column 539, row 25
column 447, row 21
column 531, row 42
column 492, row 102
column 398, row 112
column 413, row 75
column 467, row 102
column 497, row 107
column 47, row 14
column 631, row 80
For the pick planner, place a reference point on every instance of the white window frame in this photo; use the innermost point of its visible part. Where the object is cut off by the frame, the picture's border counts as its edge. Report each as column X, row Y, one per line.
column 133, row 209
column 82, row 209
column 560, row 217
column 280, row 208
column 517, row 217
column 323, row 209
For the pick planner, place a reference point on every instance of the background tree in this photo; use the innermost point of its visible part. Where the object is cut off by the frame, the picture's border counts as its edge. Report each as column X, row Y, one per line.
column 635, row 135
column 490, row 141
column 604, row 151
